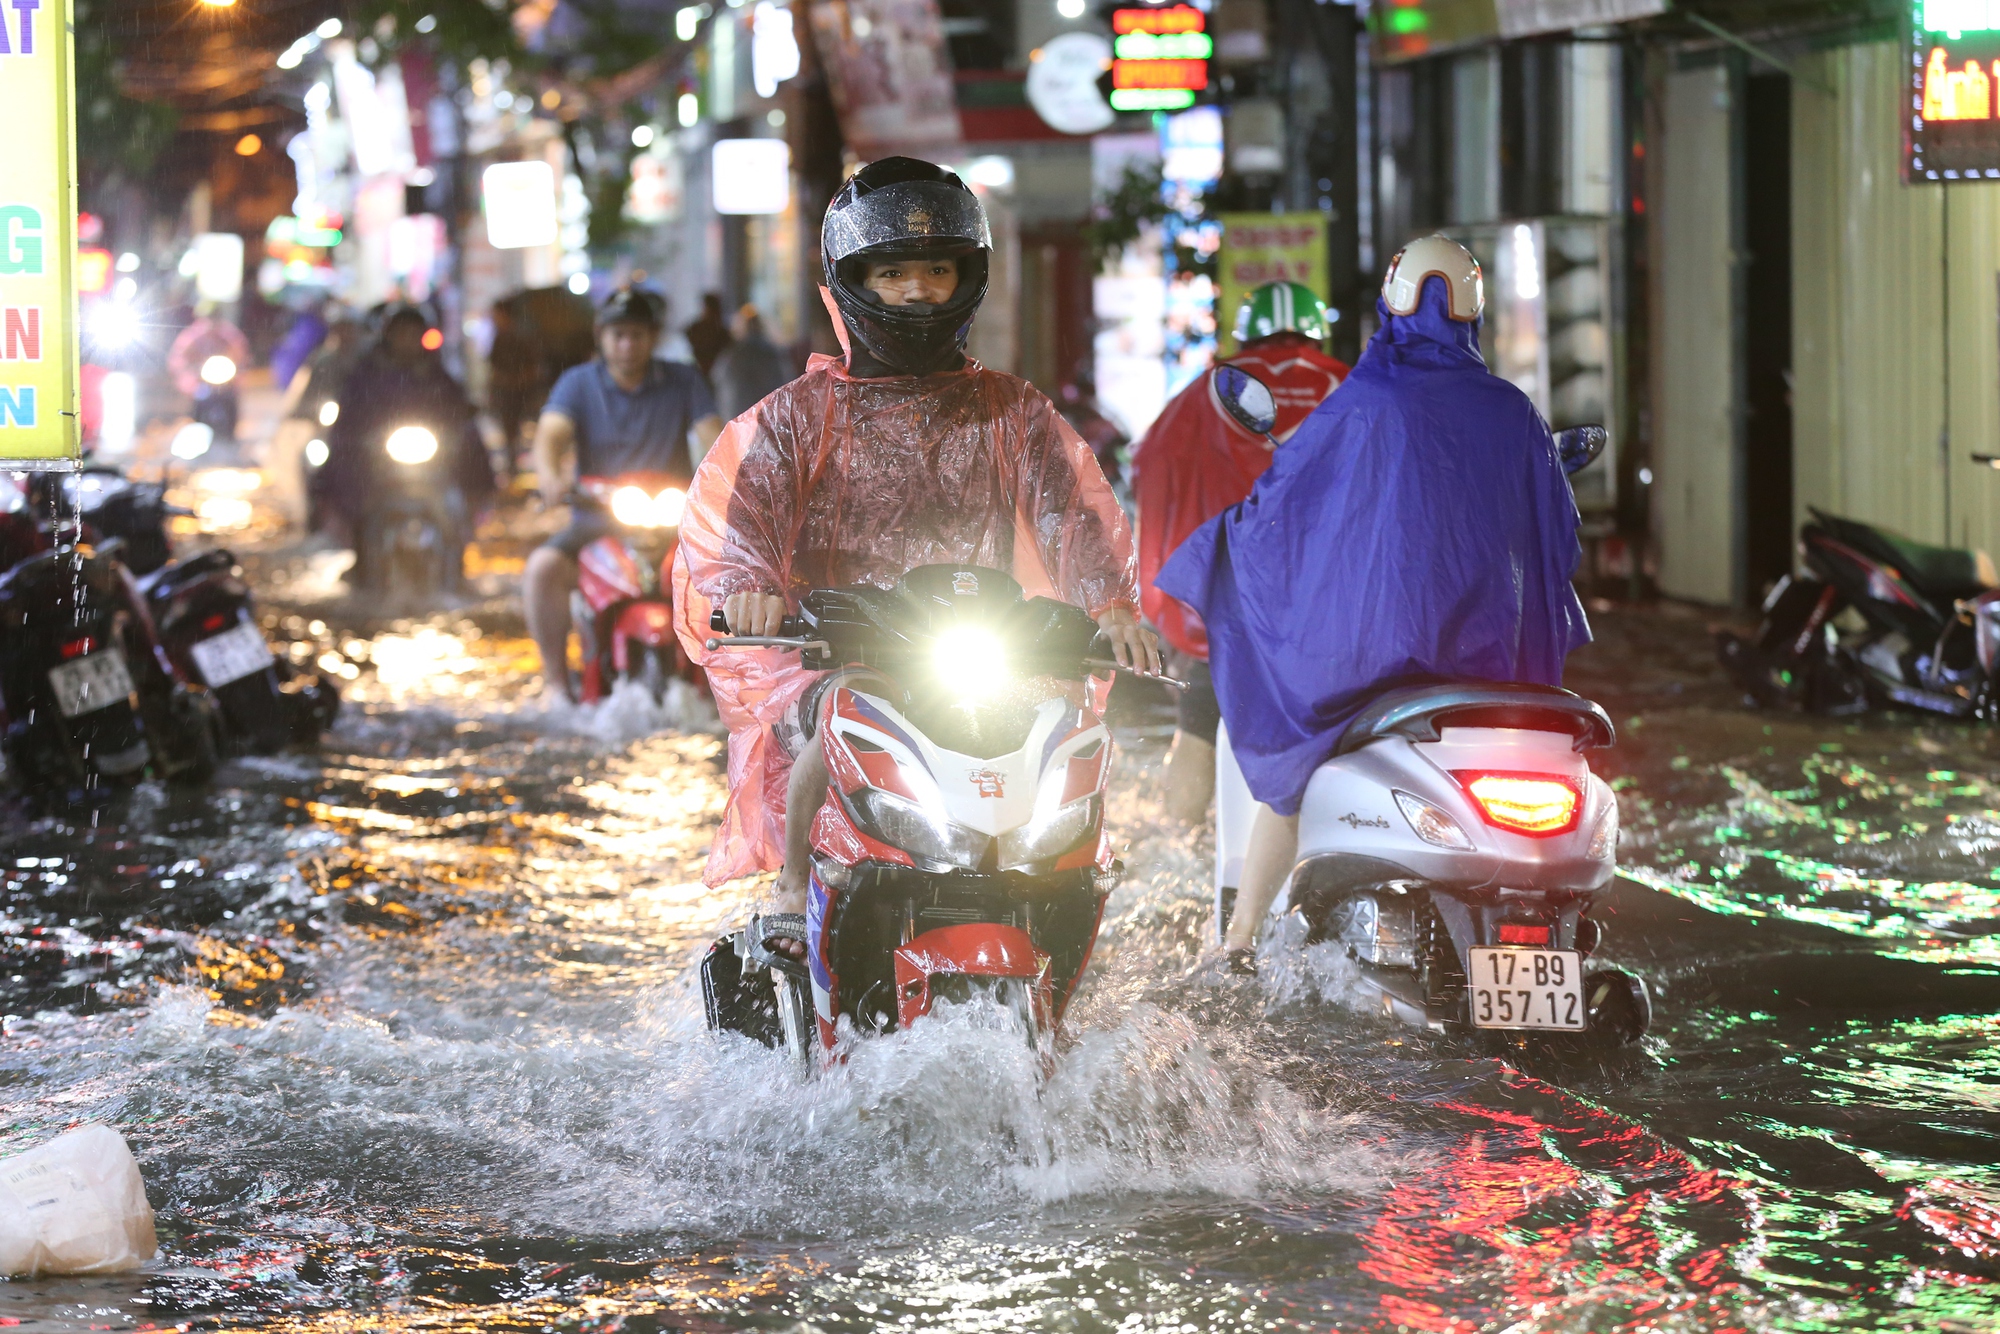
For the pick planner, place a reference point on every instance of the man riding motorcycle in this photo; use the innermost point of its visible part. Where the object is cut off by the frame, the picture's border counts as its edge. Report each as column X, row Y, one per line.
column 903, row 453
column 1421, row 520
column 623, row 412
column 396, row 381
column 1196, row 461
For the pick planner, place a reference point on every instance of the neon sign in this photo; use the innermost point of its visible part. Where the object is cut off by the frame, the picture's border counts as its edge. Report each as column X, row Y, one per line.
column 1950, row 111
column 1159, row 58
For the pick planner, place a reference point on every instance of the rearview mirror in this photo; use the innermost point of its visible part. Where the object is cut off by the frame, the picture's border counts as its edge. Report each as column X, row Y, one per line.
column 1246, row 398
column 1579, row 446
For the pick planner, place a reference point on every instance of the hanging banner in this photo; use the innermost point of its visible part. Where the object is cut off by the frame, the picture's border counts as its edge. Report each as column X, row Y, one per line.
column 889, row 71
column 1259, row 248
column 38, row 313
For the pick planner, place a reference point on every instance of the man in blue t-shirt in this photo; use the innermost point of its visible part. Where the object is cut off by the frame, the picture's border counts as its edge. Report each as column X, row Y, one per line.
column 621, row 412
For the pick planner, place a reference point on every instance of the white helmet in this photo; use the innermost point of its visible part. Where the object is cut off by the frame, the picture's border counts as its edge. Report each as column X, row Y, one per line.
column 1403, row 284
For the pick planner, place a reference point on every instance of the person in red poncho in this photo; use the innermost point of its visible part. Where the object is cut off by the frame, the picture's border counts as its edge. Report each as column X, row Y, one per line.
column 1194, row 463
column 900, row 454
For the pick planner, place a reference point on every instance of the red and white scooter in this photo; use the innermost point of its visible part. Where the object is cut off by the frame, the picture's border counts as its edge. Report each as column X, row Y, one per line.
column 961, row 848
column 623, row 606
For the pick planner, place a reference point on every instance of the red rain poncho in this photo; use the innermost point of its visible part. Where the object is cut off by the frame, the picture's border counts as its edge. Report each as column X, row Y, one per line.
column 1196, row 461
column 833, row 480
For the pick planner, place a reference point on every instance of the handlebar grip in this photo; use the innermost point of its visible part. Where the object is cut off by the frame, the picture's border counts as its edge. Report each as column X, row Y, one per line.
column 790, row 627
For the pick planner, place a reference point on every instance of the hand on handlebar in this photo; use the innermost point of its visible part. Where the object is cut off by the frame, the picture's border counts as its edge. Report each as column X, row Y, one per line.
column 754, row 613
column 1134, row 646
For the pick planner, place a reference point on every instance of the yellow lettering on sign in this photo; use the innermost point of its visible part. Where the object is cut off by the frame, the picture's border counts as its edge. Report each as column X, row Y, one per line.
column 1961, row 94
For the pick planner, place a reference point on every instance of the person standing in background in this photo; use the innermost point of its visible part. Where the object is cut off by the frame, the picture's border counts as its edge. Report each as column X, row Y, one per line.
column 514, row 381
column 749, row 368
column 708, row 335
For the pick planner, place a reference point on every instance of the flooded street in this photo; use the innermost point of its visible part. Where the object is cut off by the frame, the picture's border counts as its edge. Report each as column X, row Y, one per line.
column 406, row 1034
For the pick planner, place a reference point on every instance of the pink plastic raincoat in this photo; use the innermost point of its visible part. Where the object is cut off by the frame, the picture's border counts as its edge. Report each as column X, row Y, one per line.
column 833, row 480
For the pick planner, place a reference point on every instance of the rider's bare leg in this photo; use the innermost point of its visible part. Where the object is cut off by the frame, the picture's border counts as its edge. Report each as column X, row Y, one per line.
column 1190, row 778
column 545, row 588
column 803, row 797
column 1274, row 847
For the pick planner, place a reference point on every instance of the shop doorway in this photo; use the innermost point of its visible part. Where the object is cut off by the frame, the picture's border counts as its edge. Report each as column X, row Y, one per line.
column 1766, row 174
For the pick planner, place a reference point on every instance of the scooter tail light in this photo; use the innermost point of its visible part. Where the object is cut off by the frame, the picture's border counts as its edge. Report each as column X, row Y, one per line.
column 1540, row 805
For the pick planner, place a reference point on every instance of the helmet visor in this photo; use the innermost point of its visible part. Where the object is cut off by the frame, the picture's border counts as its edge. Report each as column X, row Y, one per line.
column 909, row 217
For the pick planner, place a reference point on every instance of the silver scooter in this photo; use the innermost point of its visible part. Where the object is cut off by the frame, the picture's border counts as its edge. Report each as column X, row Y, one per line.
column 1454, row 843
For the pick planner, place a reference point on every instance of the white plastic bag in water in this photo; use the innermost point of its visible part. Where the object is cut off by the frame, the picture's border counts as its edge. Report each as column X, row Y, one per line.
column 75, row 1205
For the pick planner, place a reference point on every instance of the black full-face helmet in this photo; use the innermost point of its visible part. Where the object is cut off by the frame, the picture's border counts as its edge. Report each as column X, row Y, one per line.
column 904, row 208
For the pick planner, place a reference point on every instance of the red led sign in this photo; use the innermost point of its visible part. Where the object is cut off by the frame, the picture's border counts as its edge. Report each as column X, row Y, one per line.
column 1181, row 18
column 1188, row 74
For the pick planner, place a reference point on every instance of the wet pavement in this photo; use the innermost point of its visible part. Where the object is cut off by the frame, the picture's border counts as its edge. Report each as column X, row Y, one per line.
column 405, row 1034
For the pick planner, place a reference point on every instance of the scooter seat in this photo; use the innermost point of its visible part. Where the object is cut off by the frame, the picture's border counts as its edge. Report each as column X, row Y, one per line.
column 1416, row 713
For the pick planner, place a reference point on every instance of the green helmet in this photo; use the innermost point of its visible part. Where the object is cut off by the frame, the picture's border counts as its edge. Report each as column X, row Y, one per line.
column 1280, row 307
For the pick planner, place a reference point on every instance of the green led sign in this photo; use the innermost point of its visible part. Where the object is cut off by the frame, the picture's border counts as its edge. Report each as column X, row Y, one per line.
column 1957, row 17
column 1151, row 99
column 1163, row 46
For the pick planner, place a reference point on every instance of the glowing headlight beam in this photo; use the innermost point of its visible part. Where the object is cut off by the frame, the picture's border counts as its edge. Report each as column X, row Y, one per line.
column 218, row 370
column 411, row 445
column 632, row 507
column 971, row 659
column 669, row 507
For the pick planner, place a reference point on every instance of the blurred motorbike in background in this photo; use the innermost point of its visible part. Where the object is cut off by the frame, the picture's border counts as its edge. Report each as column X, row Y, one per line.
column 623, row 606
column 417, row 521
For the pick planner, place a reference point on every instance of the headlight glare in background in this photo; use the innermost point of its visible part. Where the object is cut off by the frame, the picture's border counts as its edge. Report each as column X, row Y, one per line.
column 632, row 507
column 411, row 444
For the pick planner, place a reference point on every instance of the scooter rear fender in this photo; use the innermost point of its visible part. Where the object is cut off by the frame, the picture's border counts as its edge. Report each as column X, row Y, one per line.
column 1350, row 813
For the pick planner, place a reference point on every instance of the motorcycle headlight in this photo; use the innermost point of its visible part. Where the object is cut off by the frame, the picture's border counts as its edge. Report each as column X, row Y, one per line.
column 329, row 413
column 632, row 507
column 971, row 660
column 906, row 825
column 411, row 444
column 316, row 453
column 1040, row 841
column 669, row 507
column 218, row 370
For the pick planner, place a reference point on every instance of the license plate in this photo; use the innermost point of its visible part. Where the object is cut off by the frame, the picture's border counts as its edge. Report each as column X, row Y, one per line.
column 90, row 683
column 231, row 655
column 1517, row 988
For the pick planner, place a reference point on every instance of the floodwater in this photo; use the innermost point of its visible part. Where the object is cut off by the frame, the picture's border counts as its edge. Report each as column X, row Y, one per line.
column 406, row 1035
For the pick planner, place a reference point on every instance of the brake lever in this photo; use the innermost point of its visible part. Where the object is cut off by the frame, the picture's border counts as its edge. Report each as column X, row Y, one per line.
column 1115, row 666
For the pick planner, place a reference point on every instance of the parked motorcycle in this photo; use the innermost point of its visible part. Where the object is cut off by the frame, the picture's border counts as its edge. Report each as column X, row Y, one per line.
column 205, row 619
column 623, row 605
column 960, row 851
column 1455, row 843
column 88, row 699
column 417, row 522
column 1923, row 633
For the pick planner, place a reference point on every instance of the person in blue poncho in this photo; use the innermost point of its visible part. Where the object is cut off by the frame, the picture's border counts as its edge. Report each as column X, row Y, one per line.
column 1418, row 527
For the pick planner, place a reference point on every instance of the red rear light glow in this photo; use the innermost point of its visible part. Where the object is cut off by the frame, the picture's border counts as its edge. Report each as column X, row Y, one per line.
column 76, row 648
column 1523, row 933
column 213, row 623
column 1536, row 804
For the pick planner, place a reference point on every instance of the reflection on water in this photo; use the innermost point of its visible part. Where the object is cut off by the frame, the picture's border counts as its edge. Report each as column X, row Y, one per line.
column 406, row 1035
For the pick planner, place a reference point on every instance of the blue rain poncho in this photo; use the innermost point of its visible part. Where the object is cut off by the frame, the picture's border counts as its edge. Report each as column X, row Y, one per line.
column 1419, row 527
